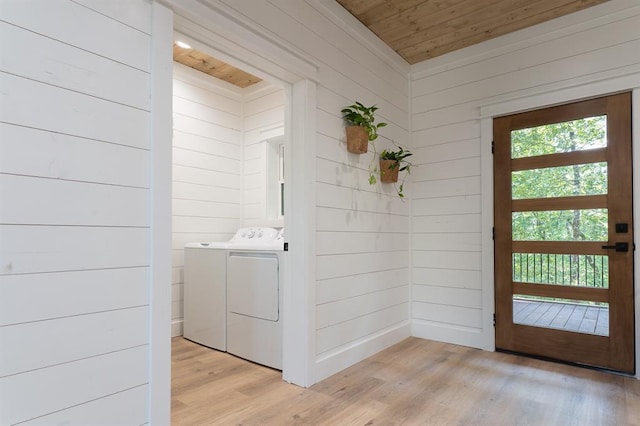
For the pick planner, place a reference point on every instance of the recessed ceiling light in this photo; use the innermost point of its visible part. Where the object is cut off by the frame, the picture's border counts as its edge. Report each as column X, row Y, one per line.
column 183, row 45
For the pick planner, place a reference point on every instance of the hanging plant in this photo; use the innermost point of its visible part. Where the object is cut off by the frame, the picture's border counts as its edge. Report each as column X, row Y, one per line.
column 391, row 164
column 361, row 126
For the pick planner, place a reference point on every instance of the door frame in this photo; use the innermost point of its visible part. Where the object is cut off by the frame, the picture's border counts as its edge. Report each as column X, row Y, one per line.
column 616, row 349
column 215, row 30
column 537, row 101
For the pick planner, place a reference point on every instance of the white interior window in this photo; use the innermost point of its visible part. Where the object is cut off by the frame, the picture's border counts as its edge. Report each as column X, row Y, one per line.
column 275, row 177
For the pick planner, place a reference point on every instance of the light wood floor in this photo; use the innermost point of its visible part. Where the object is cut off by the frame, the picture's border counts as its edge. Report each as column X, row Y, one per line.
column 416, row 382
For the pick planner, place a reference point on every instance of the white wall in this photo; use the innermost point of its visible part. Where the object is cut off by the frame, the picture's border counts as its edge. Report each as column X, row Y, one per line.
column 362, row 232
column 589, row 53
column 77, row 138
column 74, row 182
column 207, row 168
column 359, row 297
column 263, row 118
column 219, row 173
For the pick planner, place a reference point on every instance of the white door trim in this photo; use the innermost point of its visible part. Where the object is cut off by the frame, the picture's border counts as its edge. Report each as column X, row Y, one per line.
column 159, row 280
column 209, row 26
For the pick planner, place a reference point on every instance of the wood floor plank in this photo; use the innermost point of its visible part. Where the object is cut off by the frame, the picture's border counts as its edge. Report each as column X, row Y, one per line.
column 414, row 382
column 632, row 402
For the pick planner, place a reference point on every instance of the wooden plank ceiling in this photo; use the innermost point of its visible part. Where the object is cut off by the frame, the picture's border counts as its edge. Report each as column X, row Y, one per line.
column 214, row 67
column 423, row 29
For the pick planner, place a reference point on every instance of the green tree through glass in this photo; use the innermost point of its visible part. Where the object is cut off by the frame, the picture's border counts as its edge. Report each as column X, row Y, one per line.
column 563, row 225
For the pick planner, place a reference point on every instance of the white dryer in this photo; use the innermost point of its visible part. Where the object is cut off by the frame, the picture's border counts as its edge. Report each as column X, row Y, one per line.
column 254, row 301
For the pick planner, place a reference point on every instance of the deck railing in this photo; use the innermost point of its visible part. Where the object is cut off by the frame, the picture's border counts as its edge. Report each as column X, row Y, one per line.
column 561, row 269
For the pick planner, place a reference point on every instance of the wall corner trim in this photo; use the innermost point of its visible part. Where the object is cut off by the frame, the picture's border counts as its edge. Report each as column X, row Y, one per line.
column 333, row 11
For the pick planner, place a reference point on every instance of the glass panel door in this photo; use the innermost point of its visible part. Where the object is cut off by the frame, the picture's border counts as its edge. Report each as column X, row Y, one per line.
column 564, row 233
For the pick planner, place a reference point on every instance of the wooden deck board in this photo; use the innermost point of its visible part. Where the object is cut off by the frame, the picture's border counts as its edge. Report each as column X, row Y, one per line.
column 602, row 325
column 573, row 324
column 548, row 317
column 562, row 316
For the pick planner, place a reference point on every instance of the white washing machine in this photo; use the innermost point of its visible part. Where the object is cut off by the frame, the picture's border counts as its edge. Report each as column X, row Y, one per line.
column 232, row 297
column 205, row 294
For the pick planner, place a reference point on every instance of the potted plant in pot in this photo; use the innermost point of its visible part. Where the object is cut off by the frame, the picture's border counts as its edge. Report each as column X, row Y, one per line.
column 361, row 126
column 391, row 163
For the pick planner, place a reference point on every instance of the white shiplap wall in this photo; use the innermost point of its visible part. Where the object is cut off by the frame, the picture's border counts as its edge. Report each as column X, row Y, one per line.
column 207, row 168
column 263, row 118
column 219, row 171
column 586, row 54
column 362, row 232
column 74, row 217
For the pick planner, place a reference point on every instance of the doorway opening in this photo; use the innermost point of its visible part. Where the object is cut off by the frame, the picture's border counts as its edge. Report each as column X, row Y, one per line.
column 229, row 140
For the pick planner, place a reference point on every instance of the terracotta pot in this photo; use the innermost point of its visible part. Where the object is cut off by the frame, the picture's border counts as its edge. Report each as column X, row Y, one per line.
column 389, row 171
column 357, row 139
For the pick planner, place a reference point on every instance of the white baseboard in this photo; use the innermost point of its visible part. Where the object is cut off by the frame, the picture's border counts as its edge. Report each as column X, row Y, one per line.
column 357, row 351
column 463, row 336
column 176, row 328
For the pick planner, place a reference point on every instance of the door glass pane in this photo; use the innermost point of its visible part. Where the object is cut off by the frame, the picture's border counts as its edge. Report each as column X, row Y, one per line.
column 565, row 181
column 576, row 135
column 562, row 314
column 560, row 225
column 561, row 269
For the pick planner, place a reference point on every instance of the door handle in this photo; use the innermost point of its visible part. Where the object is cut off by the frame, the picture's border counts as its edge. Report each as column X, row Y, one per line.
column 619, row 247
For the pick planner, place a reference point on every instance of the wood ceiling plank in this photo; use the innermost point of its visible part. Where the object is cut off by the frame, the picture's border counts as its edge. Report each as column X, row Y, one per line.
column 475, row 35
column 428, row 21
column 361, row 7
column 499, row 24
column 214, row 67
column 389, row 9
column 478, row 20
column 423, row 29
